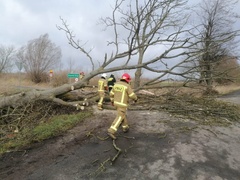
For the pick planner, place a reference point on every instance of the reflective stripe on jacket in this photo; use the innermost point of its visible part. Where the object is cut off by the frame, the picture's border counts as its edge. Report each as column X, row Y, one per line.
column 102, row 85
column 121, row 93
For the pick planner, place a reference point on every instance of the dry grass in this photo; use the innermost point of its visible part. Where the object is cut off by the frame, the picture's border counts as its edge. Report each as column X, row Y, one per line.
column 14, row 82
column 192, row 89
column 227, row 88
column 59, row 79
column 10, row 83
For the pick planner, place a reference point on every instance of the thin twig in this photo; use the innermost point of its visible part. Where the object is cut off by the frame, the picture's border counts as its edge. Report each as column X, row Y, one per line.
column 100, row 169
column 118, row 151
column 210, row 131
column 102, row 138
column 128, row 137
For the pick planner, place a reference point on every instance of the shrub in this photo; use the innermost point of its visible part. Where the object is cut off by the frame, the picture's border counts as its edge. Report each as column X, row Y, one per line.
column 59, row 79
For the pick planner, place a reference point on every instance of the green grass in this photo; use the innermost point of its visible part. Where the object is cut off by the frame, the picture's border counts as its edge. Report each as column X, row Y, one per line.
column 52, row 128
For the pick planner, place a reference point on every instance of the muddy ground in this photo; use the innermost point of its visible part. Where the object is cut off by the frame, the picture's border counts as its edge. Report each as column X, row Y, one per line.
column 158, row 146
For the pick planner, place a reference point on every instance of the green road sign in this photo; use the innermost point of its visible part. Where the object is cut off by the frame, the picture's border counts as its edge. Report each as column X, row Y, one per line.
column 73, row 75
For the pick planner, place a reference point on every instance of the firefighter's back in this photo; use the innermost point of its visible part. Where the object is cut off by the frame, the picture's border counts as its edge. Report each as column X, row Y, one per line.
column 121, row 95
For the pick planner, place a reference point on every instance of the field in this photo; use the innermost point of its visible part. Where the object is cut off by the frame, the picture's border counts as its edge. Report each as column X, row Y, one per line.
column 10, row 83
column 13, row 83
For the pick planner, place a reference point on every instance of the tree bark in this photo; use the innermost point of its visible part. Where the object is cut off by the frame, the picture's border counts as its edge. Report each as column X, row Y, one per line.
column 33, row 95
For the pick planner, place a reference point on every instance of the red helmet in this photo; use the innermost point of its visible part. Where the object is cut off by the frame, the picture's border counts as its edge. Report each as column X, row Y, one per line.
column 126, row 77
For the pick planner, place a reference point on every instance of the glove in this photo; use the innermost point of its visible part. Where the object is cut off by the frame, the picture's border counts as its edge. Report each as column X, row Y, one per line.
column 135, row 100
column 112, row 103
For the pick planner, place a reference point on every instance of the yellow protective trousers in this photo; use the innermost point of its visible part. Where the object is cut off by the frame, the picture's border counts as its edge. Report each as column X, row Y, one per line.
column 120, row 119
column 101, row 97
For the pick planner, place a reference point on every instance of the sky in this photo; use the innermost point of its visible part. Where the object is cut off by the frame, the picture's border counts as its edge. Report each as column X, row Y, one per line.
column 25, row 20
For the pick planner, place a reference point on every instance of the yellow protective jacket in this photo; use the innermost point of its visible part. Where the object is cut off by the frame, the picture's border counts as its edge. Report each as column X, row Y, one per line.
column 120, row 94
column 102, row 85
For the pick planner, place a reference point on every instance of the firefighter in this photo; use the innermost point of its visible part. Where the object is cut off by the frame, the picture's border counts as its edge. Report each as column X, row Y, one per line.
column 120, row 95
column 102, row 87
column 111, row 82
column 82, row 75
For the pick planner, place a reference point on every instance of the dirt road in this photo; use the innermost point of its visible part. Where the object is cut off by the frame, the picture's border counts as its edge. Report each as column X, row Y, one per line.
column 158, row 146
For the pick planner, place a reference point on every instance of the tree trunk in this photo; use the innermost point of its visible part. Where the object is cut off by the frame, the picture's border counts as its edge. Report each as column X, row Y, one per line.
column 138, row 72
column 33, row 95
column 137, row 81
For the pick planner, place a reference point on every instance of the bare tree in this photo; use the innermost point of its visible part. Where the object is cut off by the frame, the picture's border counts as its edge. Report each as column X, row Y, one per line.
column 217, row 38
column 7, row 54
column 148, row 26
column 39, row 56
column 154, row 28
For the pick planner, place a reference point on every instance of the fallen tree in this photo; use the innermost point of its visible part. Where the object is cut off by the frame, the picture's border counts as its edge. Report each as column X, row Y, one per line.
column 167, row 33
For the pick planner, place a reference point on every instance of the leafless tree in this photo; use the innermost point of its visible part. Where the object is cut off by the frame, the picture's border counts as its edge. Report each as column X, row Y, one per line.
column 217, row 38
column 149, row 26
column 39, row 56
column 149, row 35
column 7, row 54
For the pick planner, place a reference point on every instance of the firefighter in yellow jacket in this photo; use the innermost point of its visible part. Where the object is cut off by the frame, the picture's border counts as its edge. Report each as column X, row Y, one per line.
column 102, row 87
column 120, row 95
